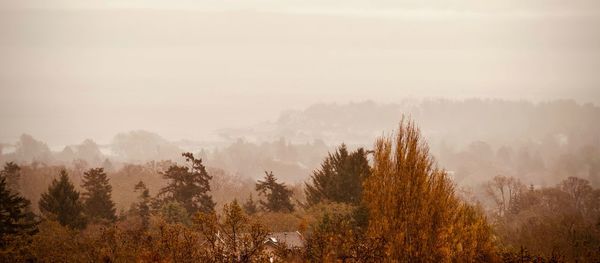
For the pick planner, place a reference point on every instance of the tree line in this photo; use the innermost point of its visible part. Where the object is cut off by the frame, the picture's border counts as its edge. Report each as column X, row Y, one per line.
column 389, row 204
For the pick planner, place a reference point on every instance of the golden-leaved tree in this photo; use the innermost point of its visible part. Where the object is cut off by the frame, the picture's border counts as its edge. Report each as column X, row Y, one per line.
column 234, row 238
column 414, row 209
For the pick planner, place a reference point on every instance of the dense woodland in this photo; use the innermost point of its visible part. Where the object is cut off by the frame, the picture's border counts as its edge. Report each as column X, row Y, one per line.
column 392, row 202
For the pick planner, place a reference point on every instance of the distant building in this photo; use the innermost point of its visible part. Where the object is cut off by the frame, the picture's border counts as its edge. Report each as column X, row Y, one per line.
column 287, row 241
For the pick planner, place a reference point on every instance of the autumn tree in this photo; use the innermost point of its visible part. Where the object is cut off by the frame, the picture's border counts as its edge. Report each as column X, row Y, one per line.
column 15, row 214
column 189, row 185
column 173, row 243
column 340, row 177
column 56, row 243
column 339, row 236
column 412, row 205
column 61, row 202
column 553, row 222
column 277, row 195
column 244, row 240
column 97, row 201
column 234, row 238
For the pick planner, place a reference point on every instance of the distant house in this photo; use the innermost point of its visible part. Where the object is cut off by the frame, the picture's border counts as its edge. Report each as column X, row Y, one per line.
column 277, row 245
column 286, row 241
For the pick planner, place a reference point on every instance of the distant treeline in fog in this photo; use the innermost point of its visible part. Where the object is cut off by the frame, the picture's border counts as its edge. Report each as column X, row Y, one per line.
column 474, row 139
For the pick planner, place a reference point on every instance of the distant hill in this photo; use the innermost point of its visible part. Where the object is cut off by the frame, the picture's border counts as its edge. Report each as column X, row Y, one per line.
column 475, row 139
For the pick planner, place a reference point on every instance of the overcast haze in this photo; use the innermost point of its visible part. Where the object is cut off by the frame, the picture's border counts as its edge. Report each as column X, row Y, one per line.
column 71, row 70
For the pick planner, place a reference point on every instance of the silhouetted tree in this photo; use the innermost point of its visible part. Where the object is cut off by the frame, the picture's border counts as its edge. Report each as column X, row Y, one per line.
column 97, row 199
column 12, row 174
column 340, row 177
column 15, row 216
column 250, row 206
column 277, row 194
column 61, row 202
column 143, row 205
column 189, row 185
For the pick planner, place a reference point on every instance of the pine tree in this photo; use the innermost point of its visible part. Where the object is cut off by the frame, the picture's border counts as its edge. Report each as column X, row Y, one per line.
column 143, row 206
column 97, row 201
column 174, row 213
column 61, row 202
column 15, row 216
column 340, row 177
column 277, row 194
column 189, row 186
column 250, row 206
column 12, row 174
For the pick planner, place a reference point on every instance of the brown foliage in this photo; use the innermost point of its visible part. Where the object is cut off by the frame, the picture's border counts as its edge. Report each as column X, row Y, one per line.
column 414, row 209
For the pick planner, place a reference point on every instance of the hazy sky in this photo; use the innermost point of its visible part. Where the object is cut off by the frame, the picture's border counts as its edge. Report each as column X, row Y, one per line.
column 71, row 70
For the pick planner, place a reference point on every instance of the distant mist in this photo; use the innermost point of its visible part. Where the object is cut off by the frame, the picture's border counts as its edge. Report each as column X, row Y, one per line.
column 77, row 69
column 474, row 139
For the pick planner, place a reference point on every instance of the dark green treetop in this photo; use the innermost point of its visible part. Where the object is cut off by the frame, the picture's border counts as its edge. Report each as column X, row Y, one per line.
column 97, row 198
column 340, row 177
column 278, row 196
column 61, row 202
column 189, row 186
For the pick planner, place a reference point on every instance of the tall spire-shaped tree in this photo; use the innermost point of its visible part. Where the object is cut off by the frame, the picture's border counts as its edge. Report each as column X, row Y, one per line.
column 61, row 202
column 15, row 216
column 97, row 200
column 12, row 174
